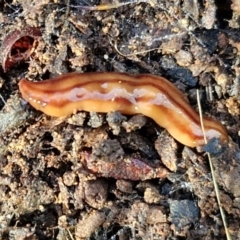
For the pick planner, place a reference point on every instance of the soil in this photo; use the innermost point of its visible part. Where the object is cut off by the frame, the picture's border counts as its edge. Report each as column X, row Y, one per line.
column 110, row 176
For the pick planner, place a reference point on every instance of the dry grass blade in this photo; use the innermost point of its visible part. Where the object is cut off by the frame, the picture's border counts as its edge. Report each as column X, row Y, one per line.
column 132, row 54
column 212, row 172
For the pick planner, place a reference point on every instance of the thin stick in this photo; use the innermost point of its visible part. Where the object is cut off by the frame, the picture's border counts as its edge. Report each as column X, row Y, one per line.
column 114, row 5
column 216, row 188
column 106, row 6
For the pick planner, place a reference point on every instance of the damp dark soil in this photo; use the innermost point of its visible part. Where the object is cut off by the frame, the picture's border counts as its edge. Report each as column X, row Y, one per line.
column 112, row 176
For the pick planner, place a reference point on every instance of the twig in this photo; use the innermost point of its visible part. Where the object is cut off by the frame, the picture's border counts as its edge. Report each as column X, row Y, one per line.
column 111, row 6
column 70, row 234
column 216, row 188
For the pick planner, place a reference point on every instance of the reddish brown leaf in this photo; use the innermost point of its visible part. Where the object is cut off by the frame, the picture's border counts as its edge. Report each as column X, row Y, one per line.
column 19, row 45
column 129, row 168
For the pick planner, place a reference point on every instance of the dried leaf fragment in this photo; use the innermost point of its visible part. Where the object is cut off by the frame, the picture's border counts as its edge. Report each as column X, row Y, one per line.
column 127, row 168
column 19, row 45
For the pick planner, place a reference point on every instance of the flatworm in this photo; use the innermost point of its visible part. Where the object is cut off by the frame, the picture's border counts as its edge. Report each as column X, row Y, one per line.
column 150, row 95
